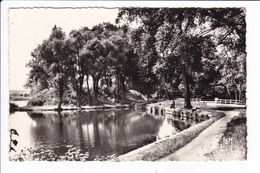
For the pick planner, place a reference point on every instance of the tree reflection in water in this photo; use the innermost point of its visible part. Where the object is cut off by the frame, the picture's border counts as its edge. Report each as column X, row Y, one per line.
column 100, row 133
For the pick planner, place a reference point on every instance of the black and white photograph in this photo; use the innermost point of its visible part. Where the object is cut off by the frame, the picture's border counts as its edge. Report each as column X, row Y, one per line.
column 152, row 84
column 127, row 83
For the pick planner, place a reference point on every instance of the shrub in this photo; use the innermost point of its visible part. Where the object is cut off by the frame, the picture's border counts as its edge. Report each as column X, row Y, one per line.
column 37, row 103
column 12, row 107
column 48, row 97
column 41, row 98
column 187, row 113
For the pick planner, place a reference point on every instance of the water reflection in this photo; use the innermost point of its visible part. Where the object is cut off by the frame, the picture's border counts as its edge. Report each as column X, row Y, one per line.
column 97, row 132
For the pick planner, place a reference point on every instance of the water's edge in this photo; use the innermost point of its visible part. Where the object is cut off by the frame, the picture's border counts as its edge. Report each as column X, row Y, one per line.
column 166, row 146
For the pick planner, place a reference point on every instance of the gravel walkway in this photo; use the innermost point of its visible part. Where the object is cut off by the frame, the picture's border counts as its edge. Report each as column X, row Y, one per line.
column 204, row 143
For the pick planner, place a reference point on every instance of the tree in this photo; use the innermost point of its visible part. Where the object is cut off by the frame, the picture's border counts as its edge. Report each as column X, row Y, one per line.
column 229, row 28
column 118, row 56
column 78, row 62
column 181, row 33
column 50, row 60
column 156, row 20
column 125, row 63
column 94, row 51
column 108, row 54
column 233, row 74
column 38, row 76
column 142, row 43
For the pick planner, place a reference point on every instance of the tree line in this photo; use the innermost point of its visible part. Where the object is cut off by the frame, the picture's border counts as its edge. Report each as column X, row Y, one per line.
column 189, row 52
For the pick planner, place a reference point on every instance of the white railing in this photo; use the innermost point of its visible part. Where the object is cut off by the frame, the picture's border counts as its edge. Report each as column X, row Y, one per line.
column 230, row 101
column 216, row 100
column 191, row 99
column 195, row 99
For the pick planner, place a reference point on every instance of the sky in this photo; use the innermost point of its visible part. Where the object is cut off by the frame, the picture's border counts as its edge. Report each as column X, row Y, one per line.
column 29, row 27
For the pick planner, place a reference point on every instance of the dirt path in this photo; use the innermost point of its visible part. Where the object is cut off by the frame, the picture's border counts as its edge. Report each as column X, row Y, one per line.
column 204, row 143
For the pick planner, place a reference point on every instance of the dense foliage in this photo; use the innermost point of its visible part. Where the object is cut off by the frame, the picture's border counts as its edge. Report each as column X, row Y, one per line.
column 199, row 49
column 160, row 52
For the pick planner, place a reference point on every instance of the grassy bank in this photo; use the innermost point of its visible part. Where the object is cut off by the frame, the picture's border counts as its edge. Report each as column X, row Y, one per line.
column 46, row 100
column 233, row 144
column 161, row 148
column 68, row 107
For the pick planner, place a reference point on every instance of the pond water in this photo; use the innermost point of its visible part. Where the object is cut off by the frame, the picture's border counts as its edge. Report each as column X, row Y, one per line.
column 97, row 134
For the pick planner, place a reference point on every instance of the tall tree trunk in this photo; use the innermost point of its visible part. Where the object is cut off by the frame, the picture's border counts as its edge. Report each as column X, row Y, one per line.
column 95, row 88
column 88, row 90
column 120, row 88
column 228, row 91
column 239, row 91
column 79, row 80
column 117, row 94
column 79, row 90
column 187, row 103
column 239, row 94
column 123, row 88
column 61, row 91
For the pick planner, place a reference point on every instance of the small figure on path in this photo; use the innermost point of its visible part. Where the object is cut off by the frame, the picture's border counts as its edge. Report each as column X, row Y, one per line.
column 173, row 104
column 194, row 109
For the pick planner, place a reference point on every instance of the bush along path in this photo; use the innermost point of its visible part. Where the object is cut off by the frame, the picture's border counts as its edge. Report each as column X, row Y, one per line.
column 205, row 143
